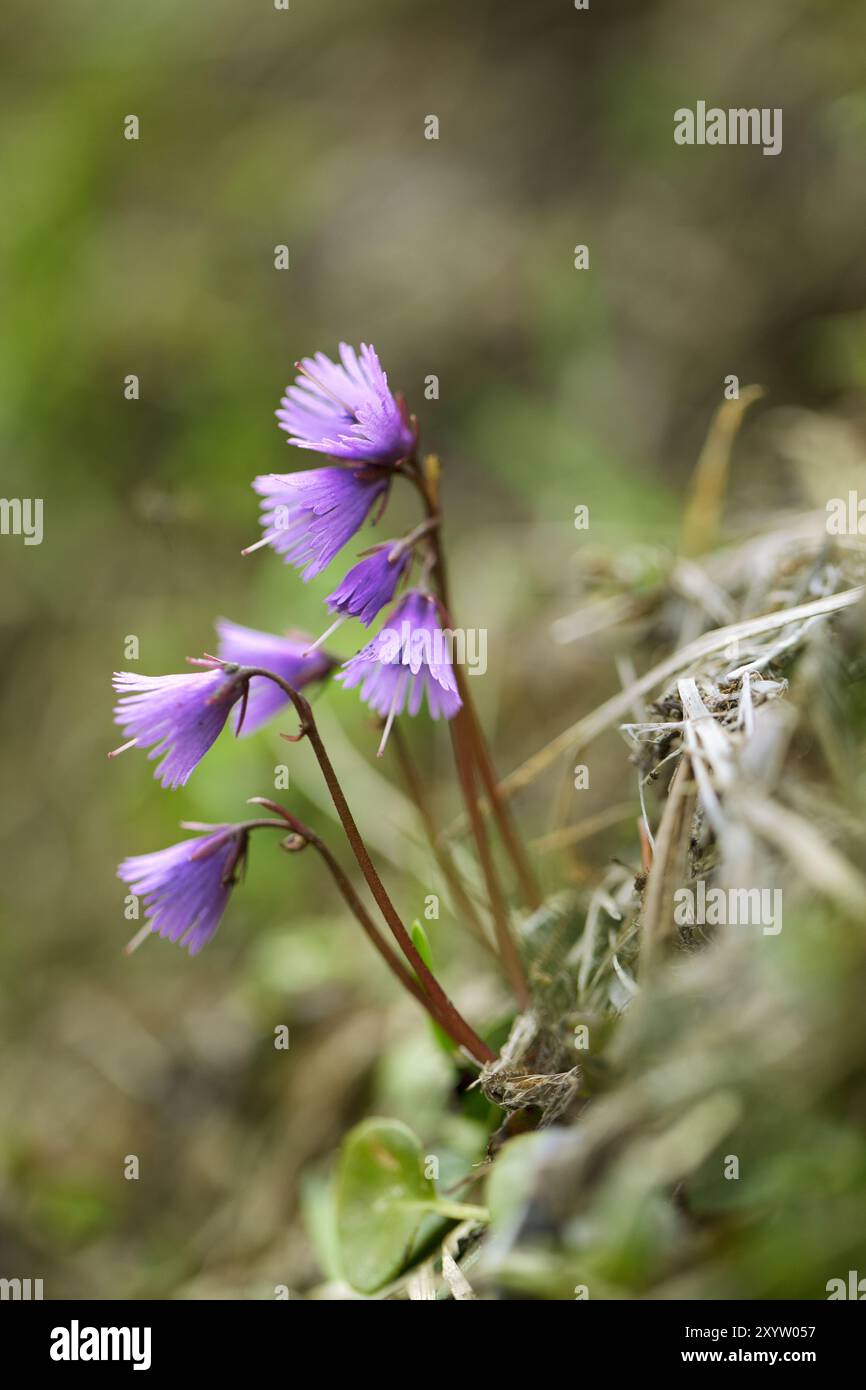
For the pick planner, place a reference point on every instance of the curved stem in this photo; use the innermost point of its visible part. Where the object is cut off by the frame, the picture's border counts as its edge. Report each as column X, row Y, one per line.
column 451, row 1019
column 349, row 895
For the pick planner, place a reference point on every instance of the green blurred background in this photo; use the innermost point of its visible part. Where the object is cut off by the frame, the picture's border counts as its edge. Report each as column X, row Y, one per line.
column 260, row 127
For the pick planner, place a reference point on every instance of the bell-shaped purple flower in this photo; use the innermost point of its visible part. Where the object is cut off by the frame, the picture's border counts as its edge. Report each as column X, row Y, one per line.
column 408, row 657
column 308, row 517
column 345, row 409
column 285, row 656
column 370, row 584
column 186, row 887
column 176, row 717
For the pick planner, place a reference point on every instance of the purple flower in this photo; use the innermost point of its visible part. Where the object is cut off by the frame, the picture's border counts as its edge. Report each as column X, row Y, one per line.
column 308, row 517
column 177, row 717
column 186, row 887
column 346, row 410
column 406, row 658
column 369, row 585
column 285, row 656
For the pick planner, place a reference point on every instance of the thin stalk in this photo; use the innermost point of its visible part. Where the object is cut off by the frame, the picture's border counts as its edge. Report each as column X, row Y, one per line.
column 504, row 940
column 451, row 1019
column 455, row 1211
column 309, row 837
column 442, row 856
column 462, row 745
column 511, row 840
column 428, row 488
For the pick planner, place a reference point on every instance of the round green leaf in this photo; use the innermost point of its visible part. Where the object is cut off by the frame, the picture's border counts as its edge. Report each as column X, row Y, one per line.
column 382, row 1196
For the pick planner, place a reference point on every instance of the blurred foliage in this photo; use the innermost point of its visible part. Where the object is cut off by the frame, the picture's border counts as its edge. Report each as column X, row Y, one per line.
column 730, row 1160
column 155, row 257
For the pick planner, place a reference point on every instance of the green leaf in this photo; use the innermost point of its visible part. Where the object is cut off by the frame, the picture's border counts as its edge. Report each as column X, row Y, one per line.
column 421, row 942
column 382, row 1197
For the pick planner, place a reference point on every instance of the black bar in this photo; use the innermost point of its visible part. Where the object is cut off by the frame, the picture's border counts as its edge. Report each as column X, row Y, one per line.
column 238, row 1337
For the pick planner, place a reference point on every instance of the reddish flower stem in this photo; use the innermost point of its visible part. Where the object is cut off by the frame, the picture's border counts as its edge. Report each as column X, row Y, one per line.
column 443, row 857
column 471, row 755
column 448, row 1015
column 309, row 837
column 428, row 488
column 504, row 939
column 514, row 848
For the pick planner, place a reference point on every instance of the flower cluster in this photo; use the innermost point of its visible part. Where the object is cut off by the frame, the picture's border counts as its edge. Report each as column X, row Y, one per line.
column 346, row 411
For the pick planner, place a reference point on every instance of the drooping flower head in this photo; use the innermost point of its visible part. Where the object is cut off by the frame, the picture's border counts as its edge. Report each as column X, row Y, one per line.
column 307, row 517
column 409, row 656
column 186, row 887
column 285, row 656
column 370, row 584
column 345, row 409
column 176, row 717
